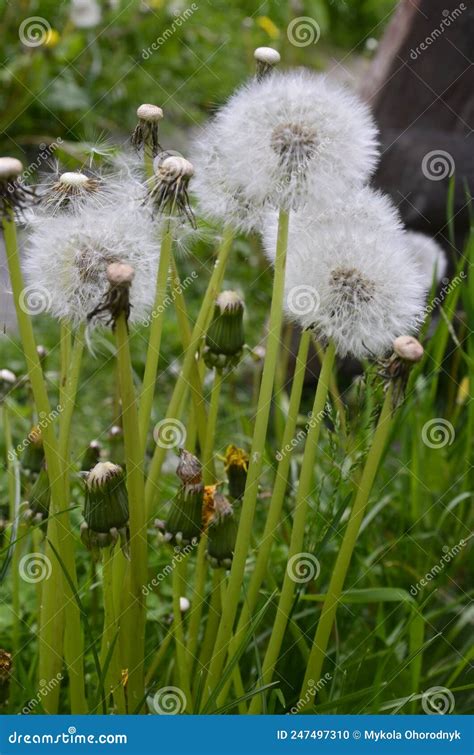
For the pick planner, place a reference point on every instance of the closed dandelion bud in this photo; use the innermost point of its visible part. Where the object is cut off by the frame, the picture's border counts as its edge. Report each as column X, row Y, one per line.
column 13, row 195
column 6, row 668
column 106, row 507
column 221, row 533
column 33, row 455
column 189, row 469
column 266, row 59
column 146, row 130
column 408, row 348
column 225, row 335
column 91, row 456
column 236, row 466
column 39, row 498
column 184, row 523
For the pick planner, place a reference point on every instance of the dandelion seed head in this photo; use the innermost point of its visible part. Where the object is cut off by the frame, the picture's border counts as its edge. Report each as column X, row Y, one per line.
column 267, row 55
column 362, row 287
column 284, row 139
column 428, row 255
column 68, row 255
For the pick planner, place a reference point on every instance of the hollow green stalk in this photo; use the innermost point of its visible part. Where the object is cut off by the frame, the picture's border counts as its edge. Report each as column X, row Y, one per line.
column 208, row 450
column 68, row 397
column 154, row 338
column 135, row 600
column 244, row 534
column 197, row 601
column 113, row 679
column 56, row 588
column 14, row 498
column 344, row 556
column 189, row 363
column 196, row 376
column 178, row 631
column 215, row 607
column 276, row 503
column 299, row 521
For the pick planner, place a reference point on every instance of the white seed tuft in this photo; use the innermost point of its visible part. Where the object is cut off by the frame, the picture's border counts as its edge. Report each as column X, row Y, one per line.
column 10, row 168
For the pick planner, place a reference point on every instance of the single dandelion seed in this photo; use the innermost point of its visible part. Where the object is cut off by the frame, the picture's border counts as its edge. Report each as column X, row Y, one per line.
column 145, row 134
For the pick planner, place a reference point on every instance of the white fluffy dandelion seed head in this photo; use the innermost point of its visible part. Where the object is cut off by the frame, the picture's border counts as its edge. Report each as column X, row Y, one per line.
column 363, row 289
column 68, row 256
column 10, row 168
column 428, row 255
column 291, row 136
column 267, row 55
column 218, row 199
column 149, row 113
column 363, row 208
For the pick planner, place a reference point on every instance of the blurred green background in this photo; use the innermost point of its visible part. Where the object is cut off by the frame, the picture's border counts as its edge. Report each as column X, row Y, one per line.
column 78, row 69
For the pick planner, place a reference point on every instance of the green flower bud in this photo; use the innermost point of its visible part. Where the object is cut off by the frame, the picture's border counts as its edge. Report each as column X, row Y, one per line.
column 225, row 336
column 221, row 533
column 236, row 466
column 184, row 523
column 106, row 507
column 33, row 455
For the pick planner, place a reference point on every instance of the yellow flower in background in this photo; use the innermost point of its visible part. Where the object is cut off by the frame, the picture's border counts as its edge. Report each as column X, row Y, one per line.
column 51, row 38
column 268, row 26
column 463, row 391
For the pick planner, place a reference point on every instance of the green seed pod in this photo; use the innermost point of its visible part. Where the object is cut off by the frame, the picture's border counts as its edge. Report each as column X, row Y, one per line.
column 106, row 507
column 33, row 455
column 221, row 533
column 236, row 466
column 225, row 336
column 39, row 498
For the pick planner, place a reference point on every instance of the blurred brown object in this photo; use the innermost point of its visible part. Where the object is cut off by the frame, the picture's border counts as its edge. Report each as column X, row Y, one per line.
column 420, row 86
